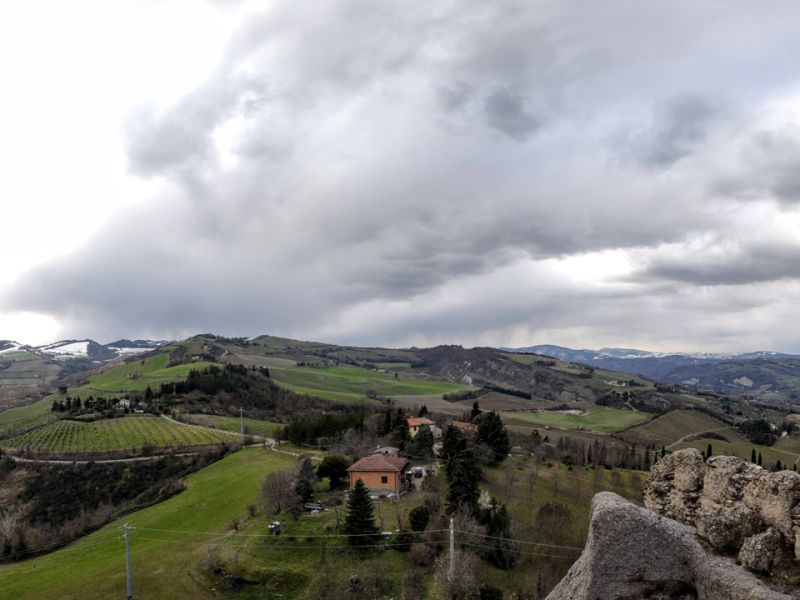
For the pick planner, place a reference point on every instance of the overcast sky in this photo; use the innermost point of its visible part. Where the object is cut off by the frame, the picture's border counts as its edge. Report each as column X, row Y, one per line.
column 583, row 173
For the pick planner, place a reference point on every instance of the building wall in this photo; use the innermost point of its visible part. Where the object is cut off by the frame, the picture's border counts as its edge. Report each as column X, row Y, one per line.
column 372, row 479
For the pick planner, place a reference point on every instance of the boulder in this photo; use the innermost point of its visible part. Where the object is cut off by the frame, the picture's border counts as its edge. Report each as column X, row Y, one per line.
column 675, row 486
column 727, row 499
column 760, row 552
column 634, row 553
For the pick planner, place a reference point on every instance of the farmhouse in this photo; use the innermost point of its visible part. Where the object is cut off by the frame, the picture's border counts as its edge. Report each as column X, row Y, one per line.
column 382, row 474
column 415, row 424
column 468, row 429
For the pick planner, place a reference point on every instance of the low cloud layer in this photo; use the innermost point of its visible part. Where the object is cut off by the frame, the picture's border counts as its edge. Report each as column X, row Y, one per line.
column 381, row 173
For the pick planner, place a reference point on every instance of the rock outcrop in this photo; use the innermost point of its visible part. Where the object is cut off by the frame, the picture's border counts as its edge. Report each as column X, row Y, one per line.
column 760, row 552
column 634, row 553
column 727, row 499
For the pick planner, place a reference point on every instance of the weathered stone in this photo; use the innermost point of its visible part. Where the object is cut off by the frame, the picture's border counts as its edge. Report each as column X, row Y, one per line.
column 675, row 486
column 760, row 552
column 726, row 527
column 733, row 500
column 633, row 553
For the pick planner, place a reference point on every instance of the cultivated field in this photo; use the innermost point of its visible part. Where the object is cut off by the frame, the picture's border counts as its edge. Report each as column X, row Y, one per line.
column 351, row 384
column 20, row 420
column 604, row 420
column 140, row 374
column 251, row 426
column 674, row 426
column 503, row 402
column 67, row 437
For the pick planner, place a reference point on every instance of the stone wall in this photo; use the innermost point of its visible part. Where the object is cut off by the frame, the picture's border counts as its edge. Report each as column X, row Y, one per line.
column 734, row 504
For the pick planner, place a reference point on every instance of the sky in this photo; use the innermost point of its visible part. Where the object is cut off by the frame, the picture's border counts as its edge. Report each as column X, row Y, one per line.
column 572, row 172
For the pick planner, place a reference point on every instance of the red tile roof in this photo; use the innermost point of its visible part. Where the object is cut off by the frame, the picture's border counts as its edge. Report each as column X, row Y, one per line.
column 413, row 422
column 379, row 462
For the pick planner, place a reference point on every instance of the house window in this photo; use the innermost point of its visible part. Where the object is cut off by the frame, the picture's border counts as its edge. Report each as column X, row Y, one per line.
column 384, row 480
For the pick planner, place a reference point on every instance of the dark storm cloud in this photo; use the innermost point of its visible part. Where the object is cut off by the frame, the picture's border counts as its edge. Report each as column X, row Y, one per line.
column 678, row 129
column 771, row 168
column 386, row 172
column 736, row 266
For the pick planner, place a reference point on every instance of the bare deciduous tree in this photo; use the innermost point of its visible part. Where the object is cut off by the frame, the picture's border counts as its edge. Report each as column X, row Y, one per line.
column 278, row 495
column 458, row 582
column 555, row 478
column 533, row 477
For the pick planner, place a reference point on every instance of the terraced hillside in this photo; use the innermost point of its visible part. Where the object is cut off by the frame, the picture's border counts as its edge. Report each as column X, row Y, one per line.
column 129, row 433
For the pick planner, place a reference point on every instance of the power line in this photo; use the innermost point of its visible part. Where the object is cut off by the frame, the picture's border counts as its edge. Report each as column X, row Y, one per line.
column 331, row 535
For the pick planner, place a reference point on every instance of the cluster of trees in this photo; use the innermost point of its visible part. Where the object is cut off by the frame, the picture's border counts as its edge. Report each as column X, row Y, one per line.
column 507, row 391
column 76, row 406
column 60, row 503
column 287, row 491
column 321, row 430
column 758, row 431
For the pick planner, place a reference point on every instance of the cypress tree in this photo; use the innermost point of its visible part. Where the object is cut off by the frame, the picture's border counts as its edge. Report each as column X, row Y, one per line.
column 462, row 481
column 476, row 411
column 778, row 466
column 492, row 432
column 359, row 521
column 709, row 452
column 759, row 459
column 753, row 456
column 452, row 442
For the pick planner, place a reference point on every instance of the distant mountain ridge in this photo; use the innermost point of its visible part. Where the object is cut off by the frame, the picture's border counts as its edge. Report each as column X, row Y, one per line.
column 71, row 349
column 657, row 365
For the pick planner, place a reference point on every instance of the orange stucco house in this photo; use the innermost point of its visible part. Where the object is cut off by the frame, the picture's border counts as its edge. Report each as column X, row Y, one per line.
column 382, row 474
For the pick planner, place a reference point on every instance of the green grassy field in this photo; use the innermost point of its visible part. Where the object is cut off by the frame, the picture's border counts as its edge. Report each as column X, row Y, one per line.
column 25, row 418
column 136, row 376
column 112, row 434
column 349, row 384
column 251, row 426
column 94, row 568
column 17, row 357
column 674, row 426
column 604, row 420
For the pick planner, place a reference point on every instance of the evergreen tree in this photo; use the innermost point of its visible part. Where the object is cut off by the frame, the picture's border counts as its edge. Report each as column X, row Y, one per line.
column 359, row 520
column 647, row 460
column 148, row 394
column 753, row 456
column 333, row 467
column 423, row 411
column 476, row 411
column 307, row 471
column 305, row 490
column 778, row 466
column 387, row 423
column 462, row 482
column 709, row 452
column 492, row 432
column 452, row 441
column 663, row 451
column 759, row 459
column 424, row 442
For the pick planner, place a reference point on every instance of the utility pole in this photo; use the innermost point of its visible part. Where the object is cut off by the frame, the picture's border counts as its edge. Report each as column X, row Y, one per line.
column 128, row 559
column 452, row 549
column 241, row 421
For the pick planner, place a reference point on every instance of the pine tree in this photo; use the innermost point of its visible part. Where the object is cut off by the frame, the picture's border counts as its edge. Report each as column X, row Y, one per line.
column 759, row 459
column 709, row 452
column 462, row 482
column 753, row 456
column 492, row 432
column 359, row 522
column 307, row 471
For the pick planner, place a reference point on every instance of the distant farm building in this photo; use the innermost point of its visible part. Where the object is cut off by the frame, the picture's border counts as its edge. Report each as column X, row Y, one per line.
column 468, row 429
column 415, row 423
column 386, row 451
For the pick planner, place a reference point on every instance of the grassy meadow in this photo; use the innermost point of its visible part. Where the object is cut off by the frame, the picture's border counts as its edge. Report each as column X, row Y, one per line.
column 673, row 427
column 604, row 420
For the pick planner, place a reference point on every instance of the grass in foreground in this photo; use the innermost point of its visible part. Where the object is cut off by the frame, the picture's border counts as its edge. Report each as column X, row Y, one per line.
column 94, row 568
